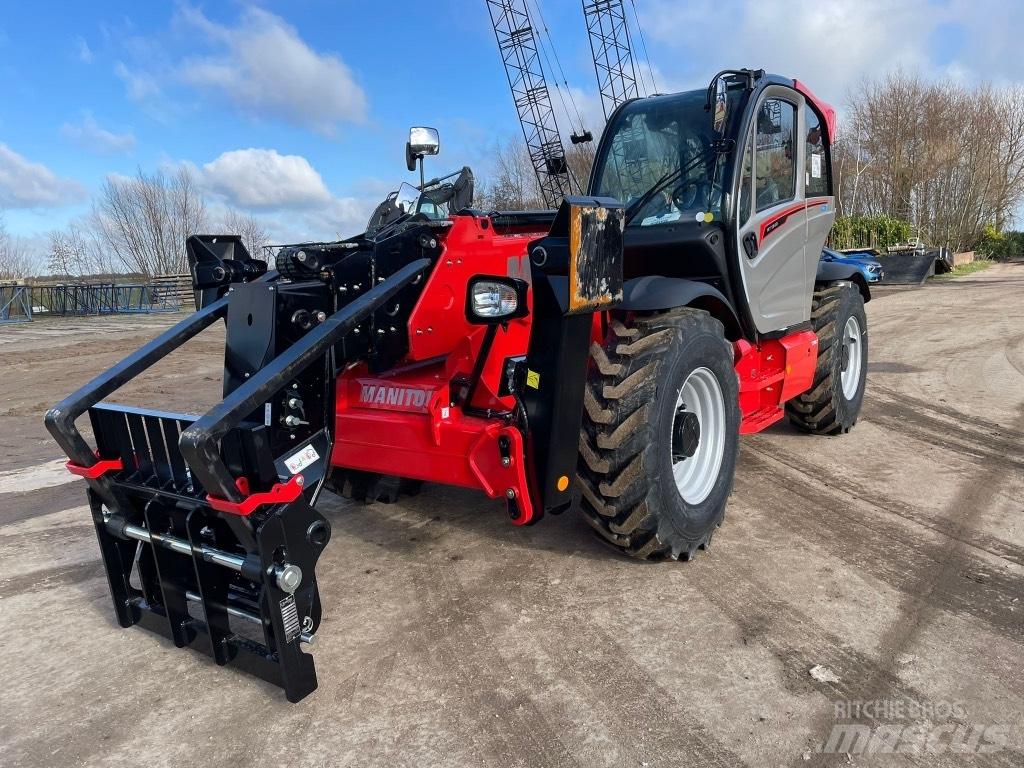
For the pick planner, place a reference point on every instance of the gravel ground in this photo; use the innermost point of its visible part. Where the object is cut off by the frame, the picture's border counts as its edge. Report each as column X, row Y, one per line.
column 889, row 561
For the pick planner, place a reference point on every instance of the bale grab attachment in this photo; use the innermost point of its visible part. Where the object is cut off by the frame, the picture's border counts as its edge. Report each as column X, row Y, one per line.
column 206, row 524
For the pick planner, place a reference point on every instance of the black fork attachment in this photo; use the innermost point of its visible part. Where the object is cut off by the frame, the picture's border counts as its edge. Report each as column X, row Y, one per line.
column 206, row 524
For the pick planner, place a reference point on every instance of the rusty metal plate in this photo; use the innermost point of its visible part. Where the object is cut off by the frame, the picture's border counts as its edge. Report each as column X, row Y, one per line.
column 595, row 257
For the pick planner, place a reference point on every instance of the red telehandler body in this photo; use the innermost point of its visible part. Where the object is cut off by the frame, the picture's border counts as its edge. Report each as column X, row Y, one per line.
column 605, row 357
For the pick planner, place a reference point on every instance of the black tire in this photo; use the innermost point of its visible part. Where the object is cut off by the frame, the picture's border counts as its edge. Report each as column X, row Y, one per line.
column 824, row 409
column 369, row 487
column 628, row 492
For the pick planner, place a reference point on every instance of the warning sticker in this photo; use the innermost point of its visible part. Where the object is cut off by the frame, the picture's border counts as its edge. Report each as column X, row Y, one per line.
column 816, row 166
column 301, row 459
column 290, row 618
column 532, row 379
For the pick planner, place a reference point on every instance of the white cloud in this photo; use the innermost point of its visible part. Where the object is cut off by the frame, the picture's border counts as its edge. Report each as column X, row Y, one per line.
column 265, row 68
column 285, row 193
column 83, row 51
column 90, row 135
column 24, row 184
column 341, row 217
column 139, row 86
column 263, row 178
column 832, row 45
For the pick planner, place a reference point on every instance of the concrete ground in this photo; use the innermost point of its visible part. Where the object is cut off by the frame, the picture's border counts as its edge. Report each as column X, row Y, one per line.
column 889, row 561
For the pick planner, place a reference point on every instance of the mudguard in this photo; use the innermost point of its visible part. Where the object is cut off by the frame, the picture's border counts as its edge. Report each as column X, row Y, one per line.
column 832, row 271
column 655, row 292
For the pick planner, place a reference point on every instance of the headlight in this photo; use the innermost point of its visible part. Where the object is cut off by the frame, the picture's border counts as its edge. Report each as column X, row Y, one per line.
column 493, row 299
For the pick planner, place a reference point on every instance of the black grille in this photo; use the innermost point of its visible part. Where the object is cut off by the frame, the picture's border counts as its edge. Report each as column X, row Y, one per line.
column 147, row 443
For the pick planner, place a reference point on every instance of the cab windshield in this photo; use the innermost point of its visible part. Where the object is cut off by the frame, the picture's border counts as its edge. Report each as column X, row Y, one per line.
column 657, row 136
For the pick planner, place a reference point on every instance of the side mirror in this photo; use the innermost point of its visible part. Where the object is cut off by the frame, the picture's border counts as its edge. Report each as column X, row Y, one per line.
column 422, row 141
column 721, row 105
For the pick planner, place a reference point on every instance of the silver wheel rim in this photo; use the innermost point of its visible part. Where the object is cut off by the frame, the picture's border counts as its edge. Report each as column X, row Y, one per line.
column 696, row 474
column 853, row 358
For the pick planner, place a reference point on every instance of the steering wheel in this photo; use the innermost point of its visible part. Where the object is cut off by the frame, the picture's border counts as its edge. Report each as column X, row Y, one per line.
column 687, row 194
column 684, row 197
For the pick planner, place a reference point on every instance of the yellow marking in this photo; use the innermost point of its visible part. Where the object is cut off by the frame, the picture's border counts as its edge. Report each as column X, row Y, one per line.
column 532, row 379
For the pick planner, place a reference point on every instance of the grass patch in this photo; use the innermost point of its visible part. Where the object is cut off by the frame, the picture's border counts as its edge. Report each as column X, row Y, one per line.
column 966, row 269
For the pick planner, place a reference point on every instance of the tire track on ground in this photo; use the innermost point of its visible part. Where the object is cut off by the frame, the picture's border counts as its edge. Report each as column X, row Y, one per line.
column 451, row 626
column 830, row 520
column 943, row 578
column 907, row 420
column 459, row 643
column 61, row 576
column 626, row 698
column 445, row 634
column 735, row 587
column 738, row 591
column 956, row 418
column 972, row 537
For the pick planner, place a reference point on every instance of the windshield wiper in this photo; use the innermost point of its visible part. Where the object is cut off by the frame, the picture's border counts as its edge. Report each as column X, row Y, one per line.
column 717, row 147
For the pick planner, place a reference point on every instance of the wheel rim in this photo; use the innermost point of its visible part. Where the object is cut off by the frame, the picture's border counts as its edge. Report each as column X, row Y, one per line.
column 853, row 358
column 698, row 435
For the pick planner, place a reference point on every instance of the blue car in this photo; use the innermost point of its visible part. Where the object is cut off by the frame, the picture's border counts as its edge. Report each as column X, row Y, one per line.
column 870, row 268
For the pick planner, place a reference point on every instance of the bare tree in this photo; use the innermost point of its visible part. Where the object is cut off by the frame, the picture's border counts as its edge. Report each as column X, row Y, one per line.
column 79, row 250
column 62, row 259
column 948, row 158
column 15, row 262
column 144, row 220
column 511, row 183
column 254, row 235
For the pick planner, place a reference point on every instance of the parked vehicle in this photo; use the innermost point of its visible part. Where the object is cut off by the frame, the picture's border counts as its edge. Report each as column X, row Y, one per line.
column 606, row 357
column 868, row 266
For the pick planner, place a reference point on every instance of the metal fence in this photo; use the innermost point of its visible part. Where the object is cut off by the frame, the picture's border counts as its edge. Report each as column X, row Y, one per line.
column 15, row 303
column 23, row 302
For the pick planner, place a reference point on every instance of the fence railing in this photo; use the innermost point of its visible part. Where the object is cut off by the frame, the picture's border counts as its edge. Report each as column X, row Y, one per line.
column 19, row 303
column 101, row 299
column 176, row 287
column 15, row 303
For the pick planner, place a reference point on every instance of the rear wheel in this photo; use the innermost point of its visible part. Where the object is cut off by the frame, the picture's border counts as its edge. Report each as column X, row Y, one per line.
column 660, row 433
column 832, row 404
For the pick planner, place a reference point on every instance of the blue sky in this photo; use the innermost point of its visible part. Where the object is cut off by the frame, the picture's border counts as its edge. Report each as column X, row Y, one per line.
column 297, row 111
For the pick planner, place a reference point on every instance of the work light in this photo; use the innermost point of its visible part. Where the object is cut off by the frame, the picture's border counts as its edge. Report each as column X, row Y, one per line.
column 495, row 299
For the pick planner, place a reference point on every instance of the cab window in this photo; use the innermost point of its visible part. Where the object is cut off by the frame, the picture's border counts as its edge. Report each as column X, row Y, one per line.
column 653, row 138
column 775, row 156
column 815, row 165
column 747, row 169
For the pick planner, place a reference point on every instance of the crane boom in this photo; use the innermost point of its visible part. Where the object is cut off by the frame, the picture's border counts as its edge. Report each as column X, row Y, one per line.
column 613, row 56
column 518, row 46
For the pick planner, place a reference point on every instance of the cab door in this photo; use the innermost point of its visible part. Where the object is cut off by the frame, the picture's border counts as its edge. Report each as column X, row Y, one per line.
column 772, row 216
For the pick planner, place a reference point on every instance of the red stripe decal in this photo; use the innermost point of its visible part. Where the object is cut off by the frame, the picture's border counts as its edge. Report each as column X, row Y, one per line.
column 770, row 225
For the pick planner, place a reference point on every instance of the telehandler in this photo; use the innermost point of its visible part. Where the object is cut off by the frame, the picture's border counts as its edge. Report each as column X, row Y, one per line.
column 605, row 356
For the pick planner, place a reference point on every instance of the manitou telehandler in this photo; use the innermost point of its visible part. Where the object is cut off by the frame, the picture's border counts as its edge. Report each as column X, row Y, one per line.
column 605, row 356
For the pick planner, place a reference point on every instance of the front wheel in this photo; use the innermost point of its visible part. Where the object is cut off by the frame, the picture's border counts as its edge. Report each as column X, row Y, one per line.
column 660, row 433
column 832, row 404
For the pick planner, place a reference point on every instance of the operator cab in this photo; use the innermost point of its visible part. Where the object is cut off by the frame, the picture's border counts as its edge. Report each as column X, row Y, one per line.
column 730, row 186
